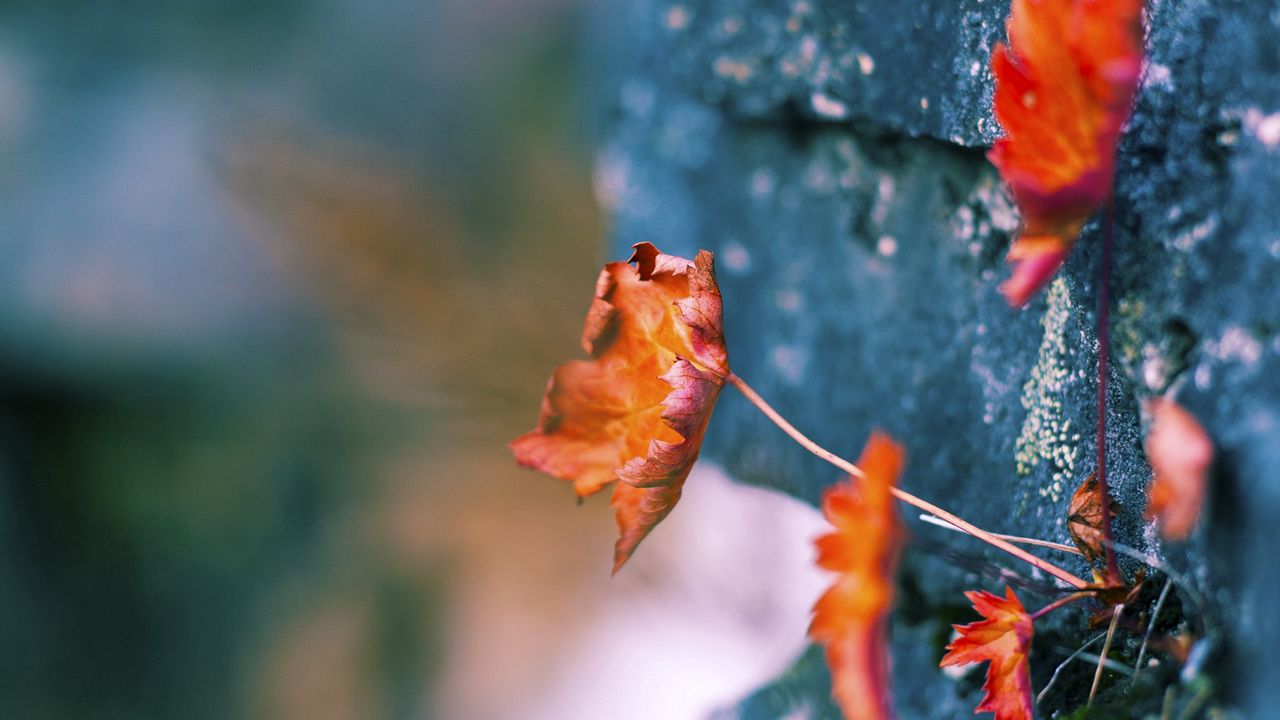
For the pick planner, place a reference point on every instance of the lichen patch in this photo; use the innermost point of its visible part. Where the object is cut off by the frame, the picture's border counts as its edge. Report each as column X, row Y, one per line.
column 1047, row 435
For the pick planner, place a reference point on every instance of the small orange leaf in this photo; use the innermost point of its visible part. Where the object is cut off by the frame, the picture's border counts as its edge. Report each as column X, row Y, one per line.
column 1033, row 268
column 1063, row 91
column 1180, row 452
column 638, row 410
column 1004, row 640
column 851, row 618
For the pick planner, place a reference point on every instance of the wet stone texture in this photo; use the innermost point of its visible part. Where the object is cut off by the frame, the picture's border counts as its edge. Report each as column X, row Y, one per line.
column 831, row 153
column 836, row 61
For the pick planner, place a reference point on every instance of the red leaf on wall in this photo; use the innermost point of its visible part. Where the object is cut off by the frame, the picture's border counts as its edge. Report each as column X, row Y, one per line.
column 1003, row 639
column 638, row 409
column 851, row 618
column 1064, row 86
column 1180, row 452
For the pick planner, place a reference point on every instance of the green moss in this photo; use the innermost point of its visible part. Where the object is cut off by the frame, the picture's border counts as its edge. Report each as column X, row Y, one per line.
column 1047, row 435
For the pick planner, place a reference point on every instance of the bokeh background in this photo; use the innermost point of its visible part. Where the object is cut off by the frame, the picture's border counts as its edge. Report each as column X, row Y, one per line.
column 278, row 280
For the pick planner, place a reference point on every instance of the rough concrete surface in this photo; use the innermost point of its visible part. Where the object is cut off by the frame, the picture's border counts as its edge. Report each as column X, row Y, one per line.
column 832, row 154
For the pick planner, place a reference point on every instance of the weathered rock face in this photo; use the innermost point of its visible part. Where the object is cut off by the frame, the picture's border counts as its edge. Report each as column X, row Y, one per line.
column 831, row 154
column 833, row 61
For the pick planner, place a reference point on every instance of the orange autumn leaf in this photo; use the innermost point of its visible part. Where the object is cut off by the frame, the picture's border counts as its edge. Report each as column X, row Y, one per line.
column 1180, row 453
column 851, row 618
column 638, row 409
column 1003, row 638
column 1064, row 86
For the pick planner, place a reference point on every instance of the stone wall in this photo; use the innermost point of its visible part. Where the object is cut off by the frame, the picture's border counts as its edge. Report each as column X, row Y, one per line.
column 831, row 152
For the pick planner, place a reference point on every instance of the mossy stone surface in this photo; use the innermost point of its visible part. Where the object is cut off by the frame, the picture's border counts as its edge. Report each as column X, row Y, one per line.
column 860, row 235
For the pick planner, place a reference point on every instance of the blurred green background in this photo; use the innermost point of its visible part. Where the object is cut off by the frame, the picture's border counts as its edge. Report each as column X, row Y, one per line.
column 278, row 281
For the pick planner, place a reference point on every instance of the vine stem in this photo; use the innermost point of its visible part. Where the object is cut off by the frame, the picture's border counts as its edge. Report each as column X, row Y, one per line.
column 1060, row 602
column 1104, row 351
column 899, row 493
column 1011, row 538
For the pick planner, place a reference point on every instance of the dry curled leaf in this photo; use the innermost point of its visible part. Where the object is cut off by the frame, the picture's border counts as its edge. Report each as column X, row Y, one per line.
column 638, row 409
column 1180, row 453
column 1064, row 86
column 1003, row 638
column 851, row 618
column 1084, row 520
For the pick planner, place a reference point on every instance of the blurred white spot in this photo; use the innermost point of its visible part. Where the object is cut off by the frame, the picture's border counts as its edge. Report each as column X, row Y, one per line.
column 789, row 301
column 1264, row 127
column 884, row 198
column 1268, row 130
column 610, row 179
column 866, row 64
column 1204, row 377
column 1235, row 345
column 790, row 361
column 808, row 49
column 1154, row 367
column 727, row 67
column 736, row 259
column 677, row 17
column 763, row 182
column 962, row 223
column 887, row 246
column 638, row 97
column 1157, row 75
column 713, row 605
column 924, row 103
column 847, row 150
column 1195, row 235
column 818, row 177
column 827, row 106
column 801, row 60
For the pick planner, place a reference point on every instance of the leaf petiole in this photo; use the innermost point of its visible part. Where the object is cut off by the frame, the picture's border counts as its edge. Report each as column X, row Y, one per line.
column 899, row 493
column 1011, row 538
column 1060, row 602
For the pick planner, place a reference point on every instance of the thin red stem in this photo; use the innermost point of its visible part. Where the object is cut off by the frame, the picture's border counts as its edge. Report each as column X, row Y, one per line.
column 1061, row 602
column 899, row 493
column 1104, row 351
